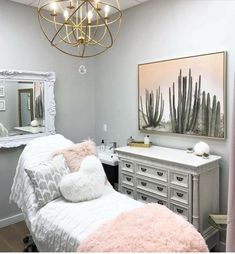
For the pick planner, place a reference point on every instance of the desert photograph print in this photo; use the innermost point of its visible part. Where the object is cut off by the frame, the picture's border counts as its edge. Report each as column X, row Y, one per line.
column 184, row 96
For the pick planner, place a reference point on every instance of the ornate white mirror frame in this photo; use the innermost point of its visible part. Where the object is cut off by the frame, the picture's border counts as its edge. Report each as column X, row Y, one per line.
column 50, row 109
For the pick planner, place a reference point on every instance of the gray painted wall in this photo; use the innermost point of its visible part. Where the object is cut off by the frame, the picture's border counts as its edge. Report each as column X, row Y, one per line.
column 10, row 117
column 161, row 29
column 24, row 47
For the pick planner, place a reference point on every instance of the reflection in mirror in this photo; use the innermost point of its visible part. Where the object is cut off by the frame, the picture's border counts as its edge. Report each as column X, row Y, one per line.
column 25, row 99
column 24, row 108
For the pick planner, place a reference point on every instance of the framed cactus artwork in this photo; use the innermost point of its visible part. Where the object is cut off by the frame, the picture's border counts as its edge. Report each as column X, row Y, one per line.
column 184, row 96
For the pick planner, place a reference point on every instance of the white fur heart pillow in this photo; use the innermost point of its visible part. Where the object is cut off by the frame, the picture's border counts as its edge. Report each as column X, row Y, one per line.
column 86, row 184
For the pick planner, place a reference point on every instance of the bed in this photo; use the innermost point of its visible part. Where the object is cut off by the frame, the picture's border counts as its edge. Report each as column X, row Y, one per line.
column 60, row 225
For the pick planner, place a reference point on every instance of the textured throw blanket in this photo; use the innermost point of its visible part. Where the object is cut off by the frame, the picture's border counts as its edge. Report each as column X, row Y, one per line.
column 150, row 228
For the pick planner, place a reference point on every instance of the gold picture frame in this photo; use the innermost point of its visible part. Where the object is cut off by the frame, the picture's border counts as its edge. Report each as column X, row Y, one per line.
column 184, row 96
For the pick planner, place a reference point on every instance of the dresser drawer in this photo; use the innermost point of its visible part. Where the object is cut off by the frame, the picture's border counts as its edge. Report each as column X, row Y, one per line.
column 180, row 210
column 156, row 173
column 154, row 188
column 179, row 179
column 128, row 191
column 127, row 165
column 179, row 195
column 127, row 179
column 149, row 199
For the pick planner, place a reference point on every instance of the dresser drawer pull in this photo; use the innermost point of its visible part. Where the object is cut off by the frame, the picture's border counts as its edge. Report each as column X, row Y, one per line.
column 128, row 165
column 143, row 183
column 180, row 195
column 144, row 198
column 128, row 179
column 160, row 202
column 128, row 192
column 143, row 169
column 179, row 210
column 180, row 179
column 160, row 173
column 160, row 188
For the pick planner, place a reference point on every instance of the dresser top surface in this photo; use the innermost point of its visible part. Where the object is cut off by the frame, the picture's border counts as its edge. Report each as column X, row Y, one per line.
column 169, row 155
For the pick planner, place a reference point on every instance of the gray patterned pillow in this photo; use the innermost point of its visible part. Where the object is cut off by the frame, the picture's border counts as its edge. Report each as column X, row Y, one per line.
column 46, row 178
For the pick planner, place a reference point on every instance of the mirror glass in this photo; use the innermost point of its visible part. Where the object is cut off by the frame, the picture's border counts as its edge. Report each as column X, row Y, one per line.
column 22, row 108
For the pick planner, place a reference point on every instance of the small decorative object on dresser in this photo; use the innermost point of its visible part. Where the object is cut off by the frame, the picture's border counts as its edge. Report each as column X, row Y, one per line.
column 146, row 140
column 205, row 156
column 185, row 183
column 201, row 148
column 139, row 144
column 189, row 150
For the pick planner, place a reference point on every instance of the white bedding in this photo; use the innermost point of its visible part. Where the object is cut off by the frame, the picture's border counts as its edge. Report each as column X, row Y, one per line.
column 61, row 225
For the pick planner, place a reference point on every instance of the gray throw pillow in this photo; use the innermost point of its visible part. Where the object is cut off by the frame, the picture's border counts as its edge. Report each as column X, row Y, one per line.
column 46, row 178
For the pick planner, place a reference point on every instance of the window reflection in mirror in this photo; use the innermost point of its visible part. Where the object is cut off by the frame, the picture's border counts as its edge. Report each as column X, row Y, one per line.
column 24, row 108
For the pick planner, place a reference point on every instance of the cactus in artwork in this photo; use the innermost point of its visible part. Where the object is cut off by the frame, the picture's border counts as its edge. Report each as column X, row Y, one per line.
column 154, row 107
column 184, row 117
column 209, row 120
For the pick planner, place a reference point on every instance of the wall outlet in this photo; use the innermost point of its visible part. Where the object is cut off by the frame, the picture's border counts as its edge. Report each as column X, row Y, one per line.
column 105, row 127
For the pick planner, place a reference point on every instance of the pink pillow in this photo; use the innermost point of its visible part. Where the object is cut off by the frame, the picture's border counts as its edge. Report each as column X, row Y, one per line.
column 76, row 153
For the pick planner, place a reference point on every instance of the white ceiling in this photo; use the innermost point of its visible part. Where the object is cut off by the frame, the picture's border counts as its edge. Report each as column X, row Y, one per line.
column 124, row 3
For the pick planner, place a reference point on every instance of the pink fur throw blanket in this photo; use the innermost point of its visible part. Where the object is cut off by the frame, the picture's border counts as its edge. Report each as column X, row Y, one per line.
column 150, row 228
column 75, row 154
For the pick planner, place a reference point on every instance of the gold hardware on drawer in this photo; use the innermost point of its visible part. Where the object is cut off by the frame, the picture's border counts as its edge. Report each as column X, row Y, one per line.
column 143, row 183
column 160, row 202
column 160, row 188
column 128, row 165
column 179, row 210
column 128, row 179
column 143, row 169
column 128, row 192
column 180, row 195
column 144, row 198
column 160, row 173
column 180, row 179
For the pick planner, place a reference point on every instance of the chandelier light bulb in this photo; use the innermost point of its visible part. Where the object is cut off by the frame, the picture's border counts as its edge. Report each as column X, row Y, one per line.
column 97, row 5
column 106, row 10
column 66, row 15
column 53, row 6
column 89, row 16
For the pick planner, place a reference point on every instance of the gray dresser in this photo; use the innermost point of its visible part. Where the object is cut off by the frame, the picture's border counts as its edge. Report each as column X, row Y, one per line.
column 185, row 183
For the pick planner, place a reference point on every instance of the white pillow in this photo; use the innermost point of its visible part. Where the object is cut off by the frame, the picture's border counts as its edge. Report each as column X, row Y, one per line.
column 86, row 184
column 45, row 179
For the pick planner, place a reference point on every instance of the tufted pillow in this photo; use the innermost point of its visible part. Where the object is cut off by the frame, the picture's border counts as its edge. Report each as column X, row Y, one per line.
column 46, row 178
column 86, row 184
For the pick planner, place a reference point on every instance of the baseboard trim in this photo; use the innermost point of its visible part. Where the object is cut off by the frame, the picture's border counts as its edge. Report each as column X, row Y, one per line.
column 11, row 220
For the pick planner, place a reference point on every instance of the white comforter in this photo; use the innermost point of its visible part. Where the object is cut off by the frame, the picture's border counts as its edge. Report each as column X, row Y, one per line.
column 61, row 225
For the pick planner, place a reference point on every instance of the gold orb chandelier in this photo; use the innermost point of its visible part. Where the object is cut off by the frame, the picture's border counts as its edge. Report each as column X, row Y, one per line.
column 80, row 28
